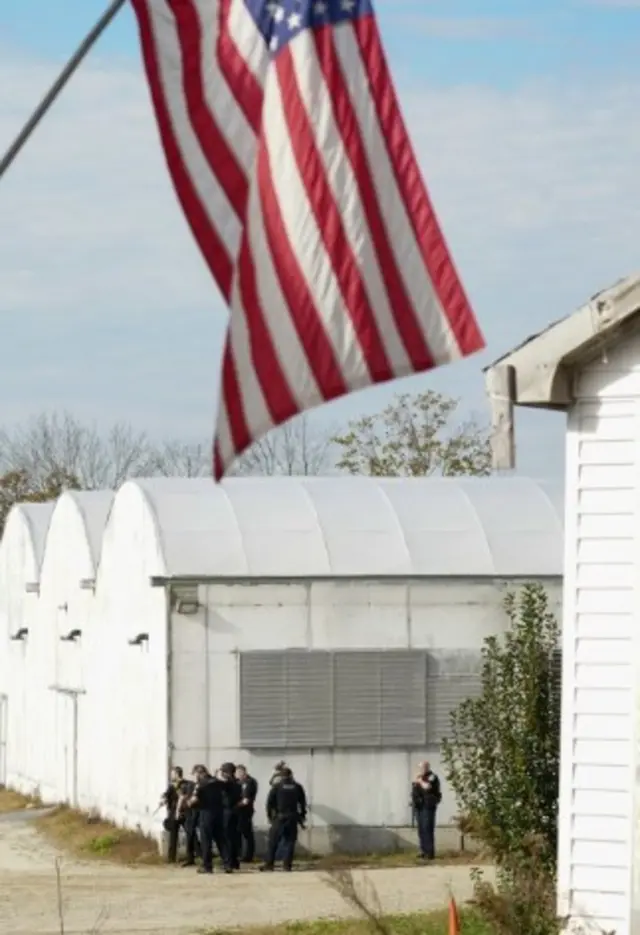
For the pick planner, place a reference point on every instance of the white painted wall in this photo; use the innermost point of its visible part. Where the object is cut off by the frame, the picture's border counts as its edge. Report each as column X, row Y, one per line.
column 598, row 869
column 437, row 615
column 19, row 566
column 123, row 723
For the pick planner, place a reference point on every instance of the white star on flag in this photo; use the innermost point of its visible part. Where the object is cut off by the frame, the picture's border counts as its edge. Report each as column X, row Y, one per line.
column 294, row 21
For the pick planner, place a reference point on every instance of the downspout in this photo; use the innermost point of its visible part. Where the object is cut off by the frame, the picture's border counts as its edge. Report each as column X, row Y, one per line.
column 169, row 674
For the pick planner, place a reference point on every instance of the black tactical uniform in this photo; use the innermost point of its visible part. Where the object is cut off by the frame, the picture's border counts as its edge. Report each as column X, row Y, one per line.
column 248, row 793
column 171, row 823
column 209, row 794
column 190, row 821
column 286, row 809
column 231, row 795
column 425, row 798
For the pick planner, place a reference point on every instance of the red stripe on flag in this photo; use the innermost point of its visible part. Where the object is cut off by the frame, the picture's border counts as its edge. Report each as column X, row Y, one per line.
column 302, row 309
column 210, row 243
column 329, row 220
column 275, row 388
column 215, row 147
column 432, row 244
column 345, row 117
column 242, row 82
column 232, row 400
column 218, row 465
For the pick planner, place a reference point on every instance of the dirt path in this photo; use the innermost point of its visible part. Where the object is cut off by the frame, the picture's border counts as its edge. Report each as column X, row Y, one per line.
column 172, row 901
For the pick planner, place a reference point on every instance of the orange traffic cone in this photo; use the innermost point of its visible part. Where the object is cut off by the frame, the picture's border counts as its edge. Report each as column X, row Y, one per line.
column 454, row 918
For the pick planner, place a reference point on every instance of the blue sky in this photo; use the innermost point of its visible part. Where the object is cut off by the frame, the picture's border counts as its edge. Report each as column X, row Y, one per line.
column 526, row 125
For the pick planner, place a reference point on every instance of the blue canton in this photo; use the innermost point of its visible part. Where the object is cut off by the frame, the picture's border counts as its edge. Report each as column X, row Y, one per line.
column 280, row 21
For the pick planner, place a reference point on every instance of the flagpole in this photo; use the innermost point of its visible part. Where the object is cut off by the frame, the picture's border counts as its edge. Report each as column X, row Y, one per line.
column 67, row 72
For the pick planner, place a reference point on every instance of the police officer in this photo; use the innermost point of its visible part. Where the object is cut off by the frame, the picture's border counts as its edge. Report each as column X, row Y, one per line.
column 190, row 816
column 170, row 799
column 425, row 798
column 286, row 809
column 231, row 796
column 246, row 809
column 276, row 775
column 209, row 801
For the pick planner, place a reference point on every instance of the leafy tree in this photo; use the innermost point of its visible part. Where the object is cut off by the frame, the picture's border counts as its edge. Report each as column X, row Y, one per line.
column 503, row 756
column 415, row 436
column 19, row 487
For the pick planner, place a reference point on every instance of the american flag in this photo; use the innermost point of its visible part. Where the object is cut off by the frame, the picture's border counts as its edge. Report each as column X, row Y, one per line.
column 290, row 157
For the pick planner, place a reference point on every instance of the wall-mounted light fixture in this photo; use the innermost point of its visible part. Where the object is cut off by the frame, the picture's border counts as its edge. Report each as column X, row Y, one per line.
column 187, row 607
column 32, row 587
column 139, row 639
column 20, row 634
column 64, row 607
column 88, row 584
column 71, row 636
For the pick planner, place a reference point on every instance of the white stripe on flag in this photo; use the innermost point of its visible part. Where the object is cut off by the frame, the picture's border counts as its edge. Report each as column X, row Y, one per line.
column 305, row 238
column 210, row 193
column 343, row 184
column 432, row 319
column 256, row 412
column 287, row 345
column 221, row 103
column 223, row 437
column 248, row 40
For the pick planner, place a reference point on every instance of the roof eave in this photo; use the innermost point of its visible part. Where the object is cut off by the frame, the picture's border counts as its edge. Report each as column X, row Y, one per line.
column 539, row 373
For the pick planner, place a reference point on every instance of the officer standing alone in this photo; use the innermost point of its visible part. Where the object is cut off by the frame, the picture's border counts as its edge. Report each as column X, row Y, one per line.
column 246, row 809
column 425, row 798
column 286, row 809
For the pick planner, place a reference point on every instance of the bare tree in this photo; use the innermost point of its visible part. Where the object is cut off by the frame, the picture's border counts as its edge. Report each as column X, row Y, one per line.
column 295, row 448
column 182, row 459
column 415, row 436
column 59, row 443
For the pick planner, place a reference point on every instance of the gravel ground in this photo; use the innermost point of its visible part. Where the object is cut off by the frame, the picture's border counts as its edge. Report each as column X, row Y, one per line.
column 100, row 897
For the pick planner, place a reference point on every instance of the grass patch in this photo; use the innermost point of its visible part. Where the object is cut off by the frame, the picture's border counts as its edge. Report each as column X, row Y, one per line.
column 11, row 801
column 85, row 837
column 419, row 923
column 329, row 862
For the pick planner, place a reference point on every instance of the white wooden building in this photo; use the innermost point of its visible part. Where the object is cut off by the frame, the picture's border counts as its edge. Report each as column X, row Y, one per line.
column 588, row 365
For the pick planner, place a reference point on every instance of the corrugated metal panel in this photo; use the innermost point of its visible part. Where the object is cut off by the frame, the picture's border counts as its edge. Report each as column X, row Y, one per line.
column 358, row 699
column 404, row 699
column 444, row 694
column 309, row 699
column 263, row 699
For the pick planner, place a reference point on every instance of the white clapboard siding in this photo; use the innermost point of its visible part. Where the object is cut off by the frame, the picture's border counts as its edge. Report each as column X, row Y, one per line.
column 601, row 529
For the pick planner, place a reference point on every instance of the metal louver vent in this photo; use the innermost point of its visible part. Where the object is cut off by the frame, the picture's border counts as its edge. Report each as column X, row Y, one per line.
column 309, row 699
column 263, row 699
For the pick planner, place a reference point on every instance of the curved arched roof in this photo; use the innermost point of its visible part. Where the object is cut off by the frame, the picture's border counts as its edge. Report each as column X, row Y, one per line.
column 93, row 508
column 36, row 517
column 291, row 527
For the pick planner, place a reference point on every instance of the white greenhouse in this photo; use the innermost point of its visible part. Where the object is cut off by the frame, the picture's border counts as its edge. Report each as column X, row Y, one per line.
column 332, row 622
column 21, row 554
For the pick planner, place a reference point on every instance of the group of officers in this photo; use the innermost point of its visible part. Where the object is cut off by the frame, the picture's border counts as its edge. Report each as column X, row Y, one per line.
column 217, row 811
